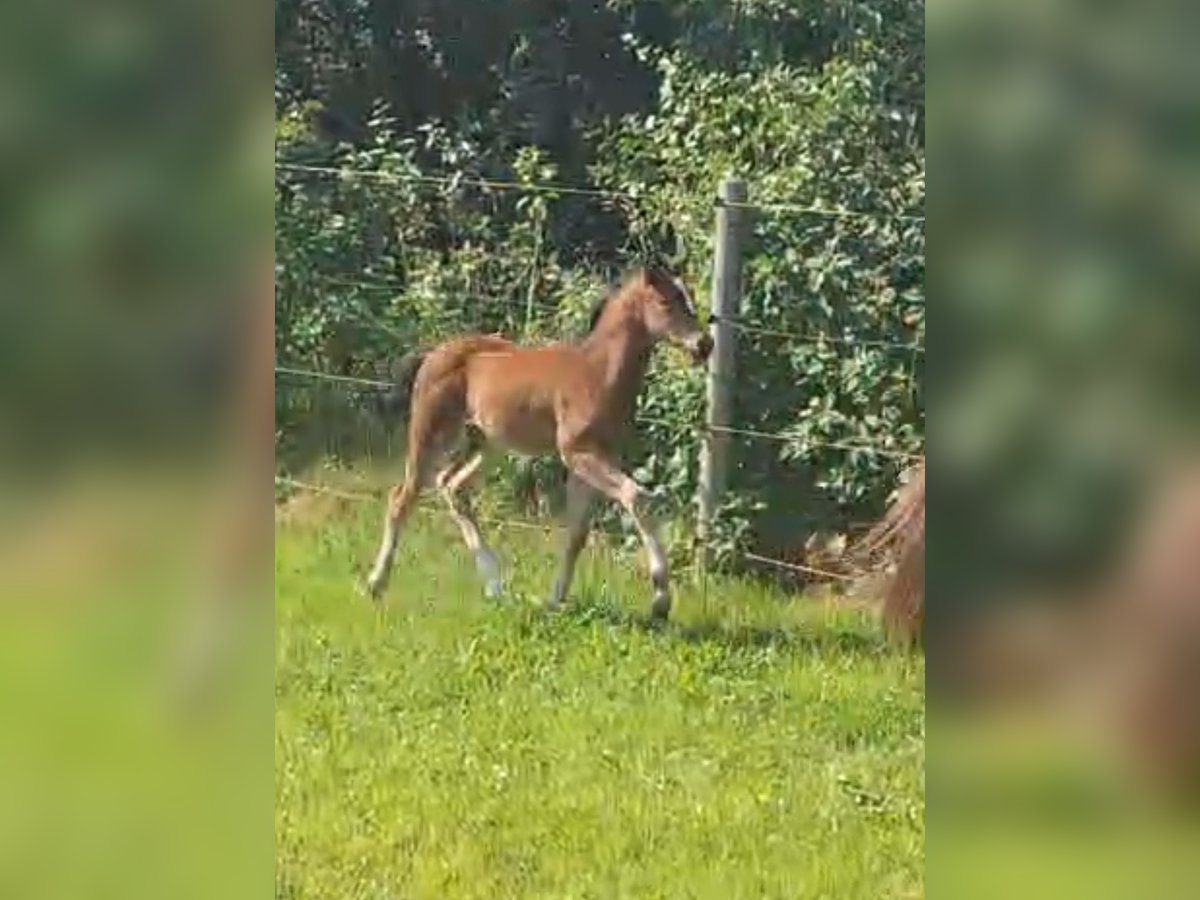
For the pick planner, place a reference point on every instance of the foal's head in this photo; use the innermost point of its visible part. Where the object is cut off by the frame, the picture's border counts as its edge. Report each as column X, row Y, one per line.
column 668, row 312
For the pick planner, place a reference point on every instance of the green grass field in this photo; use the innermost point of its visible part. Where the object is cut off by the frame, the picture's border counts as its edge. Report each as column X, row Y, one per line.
column 446, row 746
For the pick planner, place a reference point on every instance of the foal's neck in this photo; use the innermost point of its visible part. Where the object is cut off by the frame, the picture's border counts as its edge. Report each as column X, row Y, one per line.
column 620, row 347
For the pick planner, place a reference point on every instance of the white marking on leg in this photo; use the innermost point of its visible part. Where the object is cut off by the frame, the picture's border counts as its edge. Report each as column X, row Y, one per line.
column 658, row 566
column 486, row 563
column 657, row 558
column 558, row 593
column 489, row 570
column 634, row 497
column 388, row 546
column 383, row 560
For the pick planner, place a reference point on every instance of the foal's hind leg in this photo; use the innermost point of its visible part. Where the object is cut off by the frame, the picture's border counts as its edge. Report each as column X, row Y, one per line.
column 401, row 501
column 580, row 500
column 452, row 480
column 596, row 469
column 425, row 446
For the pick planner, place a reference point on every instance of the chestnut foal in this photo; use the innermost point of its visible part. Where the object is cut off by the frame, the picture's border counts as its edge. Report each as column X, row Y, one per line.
column 575, row 399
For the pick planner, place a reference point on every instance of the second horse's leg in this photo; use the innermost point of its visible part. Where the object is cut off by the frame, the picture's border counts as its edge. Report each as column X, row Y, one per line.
column 452, row 480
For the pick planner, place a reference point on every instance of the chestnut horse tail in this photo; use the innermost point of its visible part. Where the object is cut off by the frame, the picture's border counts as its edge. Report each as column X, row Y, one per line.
column 394, row 402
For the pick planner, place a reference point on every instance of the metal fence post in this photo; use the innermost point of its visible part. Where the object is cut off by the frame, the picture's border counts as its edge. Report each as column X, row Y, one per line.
column 726, row 304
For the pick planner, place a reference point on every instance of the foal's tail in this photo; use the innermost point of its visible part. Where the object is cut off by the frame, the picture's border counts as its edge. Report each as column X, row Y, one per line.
column 393, row 403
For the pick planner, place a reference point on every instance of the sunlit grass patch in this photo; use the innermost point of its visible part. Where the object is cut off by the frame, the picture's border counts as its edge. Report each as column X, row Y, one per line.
column 443, row 745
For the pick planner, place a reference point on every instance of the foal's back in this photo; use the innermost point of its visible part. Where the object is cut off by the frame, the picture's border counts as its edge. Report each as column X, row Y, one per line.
column 515, row 394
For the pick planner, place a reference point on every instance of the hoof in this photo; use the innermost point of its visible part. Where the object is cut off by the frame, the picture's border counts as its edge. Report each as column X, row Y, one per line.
column 372, row 590
column 493, row 590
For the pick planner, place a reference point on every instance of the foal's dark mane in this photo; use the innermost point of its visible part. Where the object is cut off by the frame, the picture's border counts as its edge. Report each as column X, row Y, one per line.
column 602, row 304
column 598, row 309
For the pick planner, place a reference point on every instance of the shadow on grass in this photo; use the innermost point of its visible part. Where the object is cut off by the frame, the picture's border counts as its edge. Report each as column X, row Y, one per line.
column 821, row 640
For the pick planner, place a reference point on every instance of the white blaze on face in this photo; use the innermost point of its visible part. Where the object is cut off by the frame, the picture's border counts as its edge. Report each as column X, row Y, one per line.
column 688, row 303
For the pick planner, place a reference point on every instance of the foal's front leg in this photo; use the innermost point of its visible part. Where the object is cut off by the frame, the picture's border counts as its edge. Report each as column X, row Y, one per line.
column 596, row 469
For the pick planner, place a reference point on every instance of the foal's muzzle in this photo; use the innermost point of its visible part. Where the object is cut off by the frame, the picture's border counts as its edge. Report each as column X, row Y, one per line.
column 700, row 347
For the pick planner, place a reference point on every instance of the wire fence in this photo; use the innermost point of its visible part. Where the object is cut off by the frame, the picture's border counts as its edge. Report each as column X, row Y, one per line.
column 365, row 497
column 517, row 524
column 400, row 291
column 798, row 568
column 326, row 376
column 750, row 327
column 529, row 304
column 740, row 323
column 783, row 436
column 757, row 558
column 454, row 180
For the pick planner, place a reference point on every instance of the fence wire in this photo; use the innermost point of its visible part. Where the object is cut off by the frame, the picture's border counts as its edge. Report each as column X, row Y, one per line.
column 326, row 376
column 501, row 184
column 783, row 436
column 452, row 181
column 740, row 323
column 397, row 290
column 797, row 567
column 364, row 497
column 798, row 337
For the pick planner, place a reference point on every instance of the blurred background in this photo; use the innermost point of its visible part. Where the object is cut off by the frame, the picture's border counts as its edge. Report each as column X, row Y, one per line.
column 135, row 284
column 1064, row 640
